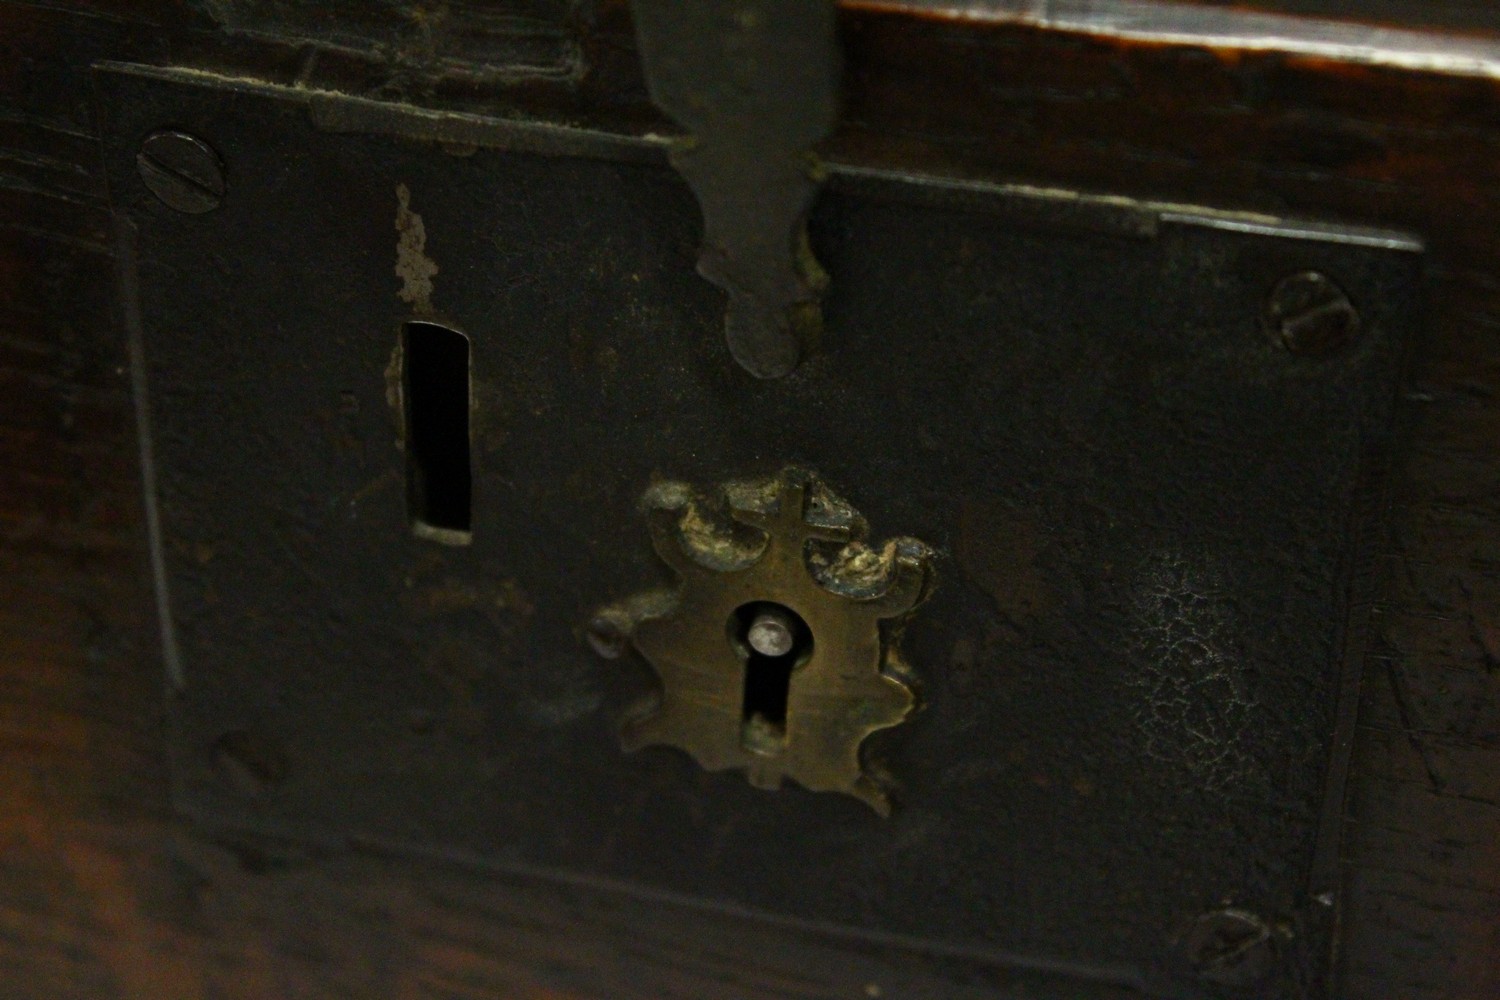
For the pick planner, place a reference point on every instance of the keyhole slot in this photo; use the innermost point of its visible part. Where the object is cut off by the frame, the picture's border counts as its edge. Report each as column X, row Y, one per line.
column 772, row 641
column 436, row 394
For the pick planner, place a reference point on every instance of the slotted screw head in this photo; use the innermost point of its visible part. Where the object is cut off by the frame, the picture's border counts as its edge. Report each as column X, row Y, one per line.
column 1231, row 947
column 181, row 170
column 1309, row 315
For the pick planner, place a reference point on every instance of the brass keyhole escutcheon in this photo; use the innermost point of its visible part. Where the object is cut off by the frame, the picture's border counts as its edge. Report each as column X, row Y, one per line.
column 770, row 653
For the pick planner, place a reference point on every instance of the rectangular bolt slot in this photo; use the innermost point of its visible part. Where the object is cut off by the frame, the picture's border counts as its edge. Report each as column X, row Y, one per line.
column 439, row 479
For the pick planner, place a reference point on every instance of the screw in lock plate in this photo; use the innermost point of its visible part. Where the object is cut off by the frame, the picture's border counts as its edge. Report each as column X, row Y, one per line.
column 608, row 636
column 1231, row 947
column 182, row 170
column 1309, row 315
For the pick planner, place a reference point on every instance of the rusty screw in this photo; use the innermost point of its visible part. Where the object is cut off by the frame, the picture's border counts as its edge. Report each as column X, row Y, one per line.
column 1309, row 315
column 608, row 636
column 1231, row 947
column 182, row 170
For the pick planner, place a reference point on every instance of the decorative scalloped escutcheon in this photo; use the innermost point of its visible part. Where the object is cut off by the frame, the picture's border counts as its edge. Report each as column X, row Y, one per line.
column 790, row 544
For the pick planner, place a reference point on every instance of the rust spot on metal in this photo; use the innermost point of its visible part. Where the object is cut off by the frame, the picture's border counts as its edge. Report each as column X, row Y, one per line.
column 415, row 269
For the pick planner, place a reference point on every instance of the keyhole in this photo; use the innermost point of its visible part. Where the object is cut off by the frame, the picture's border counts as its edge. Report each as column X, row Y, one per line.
column 772, row 641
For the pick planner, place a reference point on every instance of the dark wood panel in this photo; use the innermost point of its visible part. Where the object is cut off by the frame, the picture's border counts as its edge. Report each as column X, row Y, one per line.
column 103, row 895
column 1363, row 30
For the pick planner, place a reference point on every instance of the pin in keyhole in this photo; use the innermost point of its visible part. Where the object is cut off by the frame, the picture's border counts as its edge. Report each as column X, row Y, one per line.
column 772, row 641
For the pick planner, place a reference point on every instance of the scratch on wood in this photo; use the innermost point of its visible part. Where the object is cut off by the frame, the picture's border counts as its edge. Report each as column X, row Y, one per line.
column 1408, row 723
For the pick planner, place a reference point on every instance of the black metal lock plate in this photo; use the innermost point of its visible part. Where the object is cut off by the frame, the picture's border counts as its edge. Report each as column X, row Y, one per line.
column 1134, row 669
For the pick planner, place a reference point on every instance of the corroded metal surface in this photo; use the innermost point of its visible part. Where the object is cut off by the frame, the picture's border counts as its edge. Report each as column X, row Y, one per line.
column 1145, row 513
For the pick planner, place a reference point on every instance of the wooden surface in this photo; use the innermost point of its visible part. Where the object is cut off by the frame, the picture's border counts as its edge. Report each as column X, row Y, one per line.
column 103, row 894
